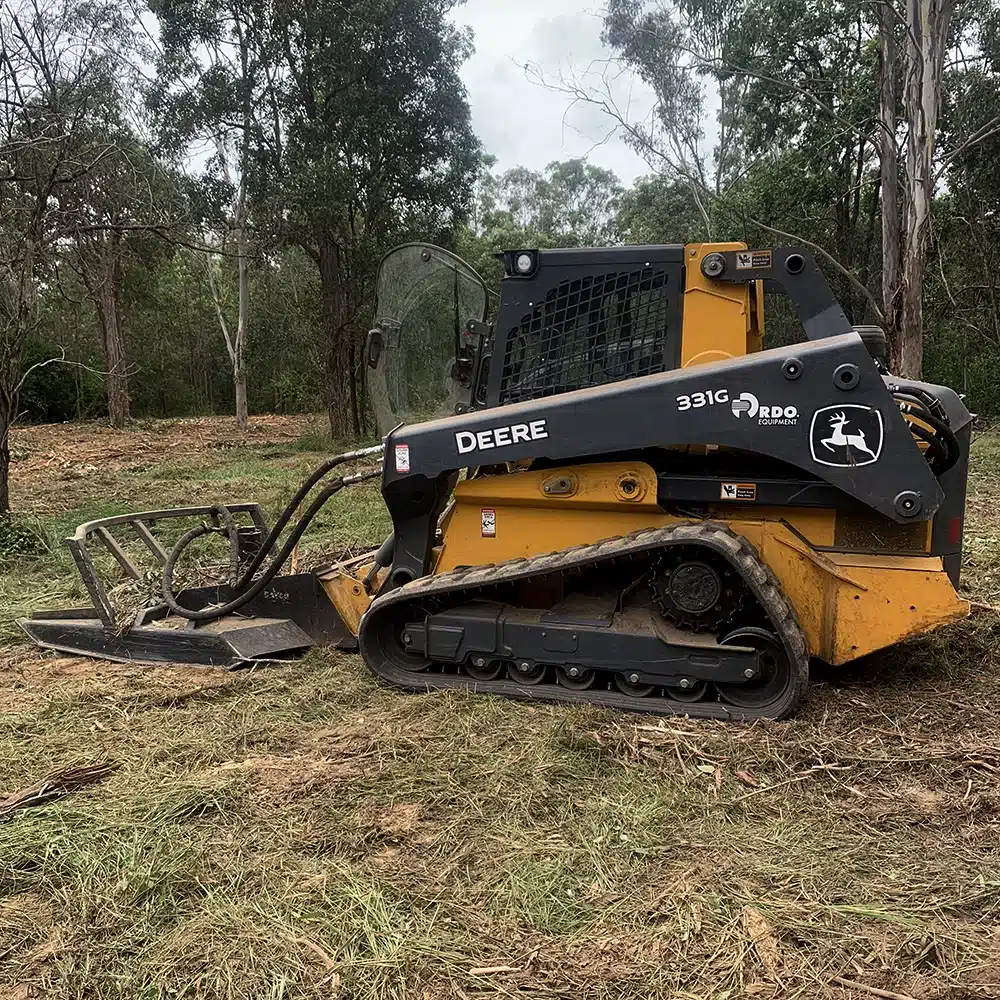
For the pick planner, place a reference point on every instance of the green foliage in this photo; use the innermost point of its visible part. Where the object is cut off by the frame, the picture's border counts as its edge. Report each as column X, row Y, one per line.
column 572, row 203
column 659, row 209
column 22, row 535
column 54, row 390
column 331, row 162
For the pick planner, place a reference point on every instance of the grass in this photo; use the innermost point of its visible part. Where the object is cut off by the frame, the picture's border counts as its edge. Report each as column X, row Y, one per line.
column 303, row 832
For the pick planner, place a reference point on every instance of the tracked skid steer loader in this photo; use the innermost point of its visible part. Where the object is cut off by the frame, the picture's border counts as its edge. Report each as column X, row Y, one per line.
column 610, row 494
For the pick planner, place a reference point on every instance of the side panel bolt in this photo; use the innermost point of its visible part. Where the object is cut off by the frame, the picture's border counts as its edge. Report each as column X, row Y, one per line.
column 749, row 673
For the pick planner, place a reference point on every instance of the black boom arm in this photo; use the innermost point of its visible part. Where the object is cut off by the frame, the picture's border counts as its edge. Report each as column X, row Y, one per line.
column 822, row 407
column 791, row 271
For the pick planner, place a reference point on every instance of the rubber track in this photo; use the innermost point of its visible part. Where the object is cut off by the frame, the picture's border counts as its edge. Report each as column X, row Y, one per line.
column 463, row 584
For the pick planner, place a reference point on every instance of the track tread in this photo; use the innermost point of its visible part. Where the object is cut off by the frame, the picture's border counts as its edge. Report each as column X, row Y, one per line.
column 718, row 537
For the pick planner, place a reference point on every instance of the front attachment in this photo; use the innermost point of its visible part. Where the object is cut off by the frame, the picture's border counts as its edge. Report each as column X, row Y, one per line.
column 130, row 622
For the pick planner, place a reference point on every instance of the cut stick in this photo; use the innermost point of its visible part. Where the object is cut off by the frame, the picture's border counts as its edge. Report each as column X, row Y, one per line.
column 873, row 990
column 57, row 785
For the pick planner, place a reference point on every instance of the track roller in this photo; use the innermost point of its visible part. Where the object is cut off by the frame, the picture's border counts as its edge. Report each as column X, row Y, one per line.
column 526, row 672
column 471, row 611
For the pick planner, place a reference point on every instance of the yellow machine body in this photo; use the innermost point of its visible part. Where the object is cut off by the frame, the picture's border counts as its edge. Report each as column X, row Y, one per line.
column 848, row 604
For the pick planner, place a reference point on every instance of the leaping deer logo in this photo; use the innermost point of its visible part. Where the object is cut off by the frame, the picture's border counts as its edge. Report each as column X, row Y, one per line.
column 838, row 439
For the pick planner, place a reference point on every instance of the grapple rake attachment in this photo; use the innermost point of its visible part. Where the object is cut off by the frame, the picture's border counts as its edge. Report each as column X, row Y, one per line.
column 257, row 615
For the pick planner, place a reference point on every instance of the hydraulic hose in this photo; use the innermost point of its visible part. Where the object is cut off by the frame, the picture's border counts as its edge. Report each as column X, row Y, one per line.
column 915, row 401
column 383, row 558
column 246, row 588
column 285, row 516
column 937, row 452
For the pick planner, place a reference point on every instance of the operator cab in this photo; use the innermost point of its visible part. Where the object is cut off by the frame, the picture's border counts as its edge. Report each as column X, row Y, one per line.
column 573, row 319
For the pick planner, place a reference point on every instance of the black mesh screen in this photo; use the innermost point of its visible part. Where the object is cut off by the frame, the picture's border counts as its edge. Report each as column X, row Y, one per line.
column 589, row 331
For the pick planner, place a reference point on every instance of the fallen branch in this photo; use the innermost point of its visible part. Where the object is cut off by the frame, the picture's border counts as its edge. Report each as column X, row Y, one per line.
column 791, row 781
column 980, row 606
column 492, row 970
column 57, row 786
column 874, row 991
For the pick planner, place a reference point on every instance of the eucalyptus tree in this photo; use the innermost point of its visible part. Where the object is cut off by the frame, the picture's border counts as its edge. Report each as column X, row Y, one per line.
column 843, row 96
column 213, row 67
column 369, row 142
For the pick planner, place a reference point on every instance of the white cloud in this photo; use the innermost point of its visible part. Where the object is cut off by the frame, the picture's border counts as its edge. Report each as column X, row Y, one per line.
column 521, row 122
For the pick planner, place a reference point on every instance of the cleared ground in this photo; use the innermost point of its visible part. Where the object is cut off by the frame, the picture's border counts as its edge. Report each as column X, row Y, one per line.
column 302, row 832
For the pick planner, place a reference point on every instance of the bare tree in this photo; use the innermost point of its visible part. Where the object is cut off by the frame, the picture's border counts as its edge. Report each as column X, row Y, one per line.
column 927, row 27
column 236, row 340
column 211, row 68
column 49, row 64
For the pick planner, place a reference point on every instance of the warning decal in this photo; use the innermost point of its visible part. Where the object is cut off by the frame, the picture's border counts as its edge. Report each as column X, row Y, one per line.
column 402, row 458
column 738, row 491
column 489, row 524
column 747, row 260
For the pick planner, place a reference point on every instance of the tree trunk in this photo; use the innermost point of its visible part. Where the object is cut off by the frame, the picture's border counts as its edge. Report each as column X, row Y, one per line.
column 239, row 345
column 337, row 348
column 236, row 344
column 927, row 37
column 114, row 354
column 11, row 338
column 240, row 385
column 892, row 276
column 243, row 320
column 6, row 419
column 19, row 298
column 103, row 281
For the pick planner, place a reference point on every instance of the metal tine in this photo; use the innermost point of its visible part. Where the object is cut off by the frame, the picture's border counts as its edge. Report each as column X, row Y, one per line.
column 92, row 582
column 151, row 541
column 118, row 552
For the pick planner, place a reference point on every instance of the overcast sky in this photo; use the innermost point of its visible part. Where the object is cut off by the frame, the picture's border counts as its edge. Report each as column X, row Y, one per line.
column 523, row 123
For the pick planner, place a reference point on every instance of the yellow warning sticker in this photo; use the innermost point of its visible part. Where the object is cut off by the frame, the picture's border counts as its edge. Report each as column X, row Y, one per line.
column 489, row 523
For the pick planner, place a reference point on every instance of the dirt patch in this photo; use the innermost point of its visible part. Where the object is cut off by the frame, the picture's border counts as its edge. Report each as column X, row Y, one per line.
column 290, row 777
column 28, row 678
column 929, row 802
column 48, row 458
column 398, row 821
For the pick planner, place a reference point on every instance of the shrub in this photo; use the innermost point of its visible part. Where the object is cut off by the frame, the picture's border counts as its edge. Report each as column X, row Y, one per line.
column 22, row 535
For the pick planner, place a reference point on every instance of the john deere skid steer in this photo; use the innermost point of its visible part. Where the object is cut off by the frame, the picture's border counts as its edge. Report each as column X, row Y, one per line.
column 611, row 494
